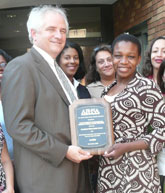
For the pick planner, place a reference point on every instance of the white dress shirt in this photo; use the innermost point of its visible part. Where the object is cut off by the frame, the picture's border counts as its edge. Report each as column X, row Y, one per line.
column 51, row 62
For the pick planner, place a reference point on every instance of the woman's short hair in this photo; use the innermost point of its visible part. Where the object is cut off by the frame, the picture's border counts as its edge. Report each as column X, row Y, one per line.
column 92, row 74
column 147, row 69
column 127, row 38
column 81, row 71
column 35, row 20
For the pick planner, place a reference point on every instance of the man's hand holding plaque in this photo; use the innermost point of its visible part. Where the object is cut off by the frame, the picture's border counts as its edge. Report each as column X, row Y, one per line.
column 91, row 125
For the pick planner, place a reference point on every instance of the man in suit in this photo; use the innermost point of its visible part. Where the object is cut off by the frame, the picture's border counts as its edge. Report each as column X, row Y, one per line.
column 35, row 104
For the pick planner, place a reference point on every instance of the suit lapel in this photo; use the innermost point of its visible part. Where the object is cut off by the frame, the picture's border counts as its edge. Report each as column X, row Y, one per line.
column 45, row 69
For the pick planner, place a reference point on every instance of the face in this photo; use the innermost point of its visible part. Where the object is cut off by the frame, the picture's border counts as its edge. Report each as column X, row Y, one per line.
column 69, row 62
column 125, row 59
column 2, row 61
column 52, row 35
column 158, row 53
column 104, row 64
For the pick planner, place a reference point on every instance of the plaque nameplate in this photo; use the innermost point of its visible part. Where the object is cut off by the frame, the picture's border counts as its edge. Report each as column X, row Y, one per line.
column 91, row 125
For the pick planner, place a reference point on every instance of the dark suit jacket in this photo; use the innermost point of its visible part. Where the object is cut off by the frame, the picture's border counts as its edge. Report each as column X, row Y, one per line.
column 37, row 117
column 82, row 92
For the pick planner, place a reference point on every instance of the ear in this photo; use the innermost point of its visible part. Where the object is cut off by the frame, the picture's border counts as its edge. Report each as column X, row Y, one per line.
column 33, row 34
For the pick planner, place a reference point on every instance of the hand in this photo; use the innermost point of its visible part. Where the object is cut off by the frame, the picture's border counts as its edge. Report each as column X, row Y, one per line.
column 76, row 154
column 116, row 150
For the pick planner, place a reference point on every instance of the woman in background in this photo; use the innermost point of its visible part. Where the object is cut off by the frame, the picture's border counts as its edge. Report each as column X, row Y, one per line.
column 101, row 72
column 130, row 164
column 151, row 70
column 4, row 59
column 161, row 77
column 161, row 155
column 6, row 167
column 100, row 75
column 154, row 57
column 71, row 62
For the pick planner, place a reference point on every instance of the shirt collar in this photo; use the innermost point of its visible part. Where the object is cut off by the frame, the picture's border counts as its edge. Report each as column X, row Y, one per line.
column 75, row 83
column 45, row 55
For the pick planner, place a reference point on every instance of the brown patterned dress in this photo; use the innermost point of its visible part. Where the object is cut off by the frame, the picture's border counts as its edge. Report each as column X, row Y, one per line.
column 139, row 106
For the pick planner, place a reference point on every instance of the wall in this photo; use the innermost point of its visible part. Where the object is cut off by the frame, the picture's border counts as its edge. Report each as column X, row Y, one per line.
column 129, row 13
column 107, row 23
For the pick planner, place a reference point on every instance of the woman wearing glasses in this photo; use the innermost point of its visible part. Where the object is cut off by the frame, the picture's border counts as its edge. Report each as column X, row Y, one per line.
column 4, row 59
column 6, row 168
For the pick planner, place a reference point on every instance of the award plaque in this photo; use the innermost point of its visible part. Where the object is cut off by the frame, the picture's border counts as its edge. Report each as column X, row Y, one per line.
column 91, row 125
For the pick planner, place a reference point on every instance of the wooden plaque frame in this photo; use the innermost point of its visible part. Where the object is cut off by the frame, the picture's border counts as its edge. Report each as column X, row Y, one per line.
column 91, row 125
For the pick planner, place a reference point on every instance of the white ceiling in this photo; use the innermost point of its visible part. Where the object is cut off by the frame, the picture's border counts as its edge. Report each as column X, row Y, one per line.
column 23, row 3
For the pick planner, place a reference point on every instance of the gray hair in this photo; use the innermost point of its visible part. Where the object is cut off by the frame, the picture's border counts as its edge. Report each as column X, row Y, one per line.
column 35, row 20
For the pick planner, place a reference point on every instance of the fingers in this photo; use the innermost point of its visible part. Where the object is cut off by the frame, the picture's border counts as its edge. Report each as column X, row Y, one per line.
column 84, row 155
column 108, row 151
column 83, row 152
column 76, row 154
column 109, row 155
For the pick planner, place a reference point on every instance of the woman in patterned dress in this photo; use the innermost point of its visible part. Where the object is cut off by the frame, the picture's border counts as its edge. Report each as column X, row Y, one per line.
column 6, row 168
column 129, row 166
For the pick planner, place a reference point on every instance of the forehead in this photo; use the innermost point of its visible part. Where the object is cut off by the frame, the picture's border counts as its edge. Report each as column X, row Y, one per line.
column 102, row 53
column 159, row 44
column 54, row 19
column 70, row 51
column 126, row 46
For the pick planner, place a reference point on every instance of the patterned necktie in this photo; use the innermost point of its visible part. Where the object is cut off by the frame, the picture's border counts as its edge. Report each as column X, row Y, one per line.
column 65, row 82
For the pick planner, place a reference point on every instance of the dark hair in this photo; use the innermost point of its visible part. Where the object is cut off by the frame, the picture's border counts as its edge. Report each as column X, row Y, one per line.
column 81, row 71
column 5, row 55
column 161, row 71
column 127, row 38
column 147, row 69
column 92, row 74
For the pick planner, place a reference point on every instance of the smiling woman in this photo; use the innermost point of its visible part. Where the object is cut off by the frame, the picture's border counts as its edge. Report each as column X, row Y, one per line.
column 130, row 164
column 101, row 72
column 154, row 57
column 71, row 61
column 125, row 60
column 153, row 69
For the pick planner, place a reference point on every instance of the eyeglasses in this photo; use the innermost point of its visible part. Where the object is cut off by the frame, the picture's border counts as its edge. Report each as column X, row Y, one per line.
column 3, row 65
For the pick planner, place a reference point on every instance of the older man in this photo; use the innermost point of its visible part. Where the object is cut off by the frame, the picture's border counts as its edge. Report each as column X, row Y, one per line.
column 35, row 102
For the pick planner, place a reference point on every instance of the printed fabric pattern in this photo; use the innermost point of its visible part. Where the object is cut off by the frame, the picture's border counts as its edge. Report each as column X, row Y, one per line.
column 2, row 173
column 139, row 106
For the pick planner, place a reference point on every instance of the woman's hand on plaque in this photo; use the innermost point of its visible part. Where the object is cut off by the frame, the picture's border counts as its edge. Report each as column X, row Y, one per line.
column 115, row 151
